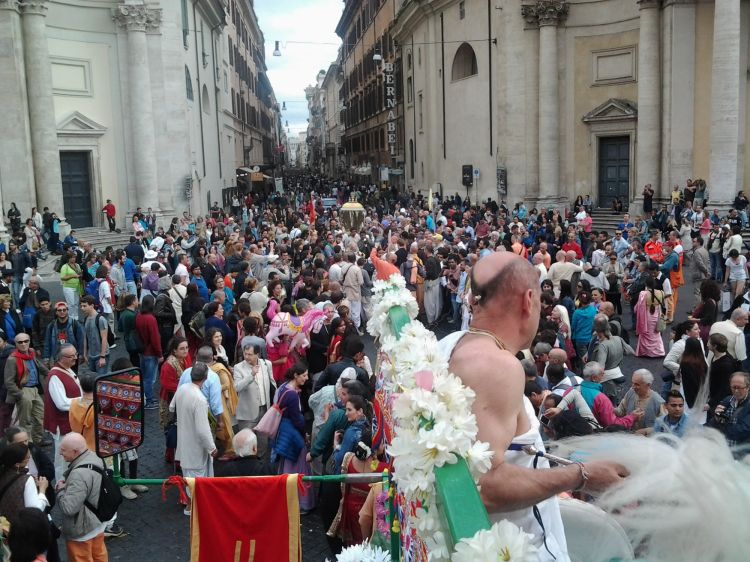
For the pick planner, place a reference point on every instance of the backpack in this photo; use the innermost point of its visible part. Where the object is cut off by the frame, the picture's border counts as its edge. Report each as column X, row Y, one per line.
column 133, row 342
column 110, row 496
column 198, row 323
column 92, row 289
column 110, row 335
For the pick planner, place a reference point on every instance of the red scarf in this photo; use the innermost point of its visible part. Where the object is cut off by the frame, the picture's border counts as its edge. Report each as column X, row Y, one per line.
column 20, row 358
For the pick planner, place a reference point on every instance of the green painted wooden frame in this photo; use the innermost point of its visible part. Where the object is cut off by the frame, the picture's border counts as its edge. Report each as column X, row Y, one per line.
column 458, row 499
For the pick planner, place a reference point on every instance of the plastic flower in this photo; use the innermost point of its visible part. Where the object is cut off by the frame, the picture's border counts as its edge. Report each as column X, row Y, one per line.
column 504, row 542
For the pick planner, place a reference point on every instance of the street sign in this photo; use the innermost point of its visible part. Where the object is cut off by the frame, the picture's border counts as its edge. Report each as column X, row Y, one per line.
column 467, row 175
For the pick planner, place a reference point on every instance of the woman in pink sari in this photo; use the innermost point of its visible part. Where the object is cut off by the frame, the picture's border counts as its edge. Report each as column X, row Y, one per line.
column 647, row 312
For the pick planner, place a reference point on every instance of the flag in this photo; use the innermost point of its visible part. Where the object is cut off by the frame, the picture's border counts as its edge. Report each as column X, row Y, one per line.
column 245, row 519
column 311, row 211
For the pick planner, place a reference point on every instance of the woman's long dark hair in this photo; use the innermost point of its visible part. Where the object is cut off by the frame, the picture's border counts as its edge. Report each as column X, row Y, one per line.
column 359, row 403
column 11, row 455
column 693, row 359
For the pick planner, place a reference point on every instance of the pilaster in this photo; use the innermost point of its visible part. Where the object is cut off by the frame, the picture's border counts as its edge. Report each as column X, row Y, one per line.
column 725, row 106
column 648, row 144
column 136, row 20
column 548, row 14
column 45, row 152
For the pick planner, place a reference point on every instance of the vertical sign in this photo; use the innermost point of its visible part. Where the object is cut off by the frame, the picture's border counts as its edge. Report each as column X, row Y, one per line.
column 390, row 104
column 502, row 180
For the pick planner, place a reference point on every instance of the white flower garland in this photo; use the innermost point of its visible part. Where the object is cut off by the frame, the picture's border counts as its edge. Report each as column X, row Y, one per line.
column 364, row 552
column 504, row 539
column 434, row 425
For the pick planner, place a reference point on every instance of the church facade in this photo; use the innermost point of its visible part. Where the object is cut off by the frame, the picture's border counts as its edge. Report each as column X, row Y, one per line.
column 550, row 99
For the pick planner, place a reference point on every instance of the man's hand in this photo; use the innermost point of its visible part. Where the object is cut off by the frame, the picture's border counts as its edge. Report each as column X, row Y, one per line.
column 214, row 453
column 42, row 484
column 60, row 485
column 638, row 414
column 603, row 474
column 102, row 362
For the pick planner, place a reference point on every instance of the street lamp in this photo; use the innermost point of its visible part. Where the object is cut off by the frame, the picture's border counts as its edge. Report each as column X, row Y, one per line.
column 377, row 58
column 277, row 50
column 283, row 106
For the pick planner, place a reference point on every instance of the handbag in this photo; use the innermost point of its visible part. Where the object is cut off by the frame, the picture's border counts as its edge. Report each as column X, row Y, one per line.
column 661, row 324
column 269, row 423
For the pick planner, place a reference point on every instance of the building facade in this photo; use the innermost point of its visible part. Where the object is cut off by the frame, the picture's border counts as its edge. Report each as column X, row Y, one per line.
column 333, row 163
column 125, row 100
column 316, row 127
column 371, row 93
column 550, row 99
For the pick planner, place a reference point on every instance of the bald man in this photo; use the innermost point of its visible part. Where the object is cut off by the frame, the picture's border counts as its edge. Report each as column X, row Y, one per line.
column 506, row 306
column 84, row 533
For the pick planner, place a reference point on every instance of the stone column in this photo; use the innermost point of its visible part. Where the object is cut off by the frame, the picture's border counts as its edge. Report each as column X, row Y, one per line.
column 135, row 18
column 648, row 136
column 548, row 14
column 725, row 106
column 42, row 122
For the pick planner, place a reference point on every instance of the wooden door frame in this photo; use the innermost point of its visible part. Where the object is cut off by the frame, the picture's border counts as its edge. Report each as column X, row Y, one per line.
column 78, row 133
column 631, row 153
column 94, row 194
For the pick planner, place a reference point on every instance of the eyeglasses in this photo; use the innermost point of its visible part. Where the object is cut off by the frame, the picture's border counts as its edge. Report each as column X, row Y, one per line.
column 22, row 342
column 70, row 356
column 61, row 309
column 738, row 387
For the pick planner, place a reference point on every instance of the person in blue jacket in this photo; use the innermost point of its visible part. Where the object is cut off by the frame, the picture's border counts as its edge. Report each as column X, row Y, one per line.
column 582, row 324
column 357, row 415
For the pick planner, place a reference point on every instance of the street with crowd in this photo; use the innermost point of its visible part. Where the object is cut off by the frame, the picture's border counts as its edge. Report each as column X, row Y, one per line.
column 641, row 329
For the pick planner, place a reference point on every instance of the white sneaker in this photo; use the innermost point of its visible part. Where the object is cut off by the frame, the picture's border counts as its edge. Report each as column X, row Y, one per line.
column 139, row 488
column 186, row 512
column 127, row 493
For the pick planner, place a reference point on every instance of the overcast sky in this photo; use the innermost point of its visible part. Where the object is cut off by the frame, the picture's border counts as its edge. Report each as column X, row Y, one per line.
column 312, row 22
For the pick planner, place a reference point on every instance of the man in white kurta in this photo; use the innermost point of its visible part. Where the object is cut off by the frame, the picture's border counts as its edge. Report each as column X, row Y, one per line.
column 195, row 442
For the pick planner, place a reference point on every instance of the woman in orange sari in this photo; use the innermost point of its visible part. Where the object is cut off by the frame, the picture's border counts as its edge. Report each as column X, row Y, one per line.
column 178, row 359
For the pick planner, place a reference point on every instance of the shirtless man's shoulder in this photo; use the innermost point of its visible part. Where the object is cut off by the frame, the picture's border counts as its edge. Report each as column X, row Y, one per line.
column 497, row 379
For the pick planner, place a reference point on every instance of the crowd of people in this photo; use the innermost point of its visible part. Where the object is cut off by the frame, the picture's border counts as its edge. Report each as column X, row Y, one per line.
column 191, row 304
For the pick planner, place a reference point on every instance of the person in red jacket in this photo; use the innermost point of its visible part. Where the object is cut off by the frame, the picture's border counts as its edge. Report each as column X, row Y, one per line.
column 571, row 244
column 109, row 211
column 62, row 387
column 151, row 358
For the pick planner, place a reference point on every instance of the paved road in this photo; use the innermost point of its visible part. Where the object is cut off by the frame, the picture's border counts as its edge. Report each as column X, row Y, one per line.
column 158, row 530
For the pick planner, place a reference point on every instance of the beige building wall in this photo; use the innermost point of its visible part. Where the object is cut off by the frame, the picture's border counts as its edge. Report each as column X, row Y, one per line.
column 594, row 59
column 598, row 48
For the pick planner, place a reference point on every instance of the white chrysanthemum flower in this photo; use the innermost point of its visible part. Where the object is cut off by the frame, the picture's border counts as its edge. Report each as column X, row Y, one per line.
column 504, row 542
column 437, row 547
column 364, row 552
column 479, row 459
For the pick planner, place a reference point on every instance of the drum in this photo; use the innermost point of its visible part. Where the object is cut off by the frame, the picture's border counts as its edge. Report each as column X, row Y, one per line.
column 593, row 535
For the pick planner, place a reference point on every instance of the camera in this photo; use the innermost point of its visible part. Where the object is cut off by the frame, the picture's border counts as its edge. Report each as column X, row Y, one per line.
column 721, row 417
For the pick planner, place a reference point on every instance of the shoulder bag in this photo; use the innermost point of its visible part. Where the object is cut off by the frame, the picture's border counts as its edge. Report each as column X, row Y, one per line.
column 269, row 423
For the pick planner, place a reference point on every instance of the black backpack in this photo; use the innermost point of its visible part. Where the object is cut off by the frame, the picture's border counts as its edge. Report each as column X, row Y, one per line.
column 110, row 335
column 110, row 496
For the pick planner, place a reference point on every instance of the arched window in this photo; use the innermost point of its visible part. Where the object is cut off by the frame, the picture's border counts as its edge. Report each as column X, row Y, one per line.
column 188, row 84
column 464, row 63
column 205, row 101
